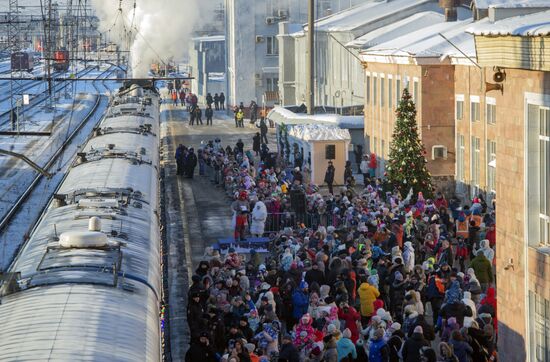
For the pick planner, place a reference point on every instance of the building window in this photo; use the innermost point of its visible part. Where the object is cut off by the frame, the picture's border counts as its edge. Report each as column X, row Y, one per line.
column 374, row 89
column 491, row 166
column 491, row 110
column 544, row 183
column 397, row 91
column 382, row 91
column 474, row 109
column 475, row 152
column 459, row 100
column 415, row 91
column 539, row 315
column 390, row 93
column 538, row 178
column 460, row 158
column 272, row 84
column 368, row 89
column 272, row 45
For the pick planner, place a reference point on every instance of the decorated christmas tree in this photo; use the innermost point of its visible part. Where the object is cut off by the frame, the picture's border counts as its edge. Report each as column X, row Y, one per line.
column 406, row 167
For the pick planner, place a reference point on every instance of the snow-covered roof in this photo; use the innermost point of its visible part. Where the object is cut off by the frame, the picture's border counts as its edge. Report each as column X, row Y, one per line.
column 369, row 12
column 485, row 4
column 397, row 29
column 537, row 24
column 204, row 39
column 427, row 42
column 319, row 132
column 281, row 115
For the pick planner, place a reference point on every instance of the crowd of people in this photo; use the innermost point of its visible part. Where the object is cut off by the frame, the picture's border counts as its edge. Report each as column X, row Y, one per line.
column 387, row 277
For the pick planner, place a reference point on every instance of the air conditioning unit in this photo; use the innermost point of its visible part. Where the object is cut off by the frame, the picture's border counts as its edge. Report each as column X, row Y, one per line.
column 283, row 14
column 258, row 76
column 439, row 152
column 259, row 39
column 270, row 20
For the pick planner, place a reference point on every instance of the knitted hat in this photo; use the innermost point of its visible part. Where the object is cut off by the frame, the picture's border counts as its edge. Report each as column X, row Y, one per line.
column 418, row 329
column 395, row 327
column 331, row 329
column 347, row 333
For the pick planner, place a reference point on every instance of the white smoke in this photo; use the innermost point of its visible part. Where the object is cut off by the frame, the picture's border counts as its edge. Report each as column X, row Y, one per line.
column 161, row 29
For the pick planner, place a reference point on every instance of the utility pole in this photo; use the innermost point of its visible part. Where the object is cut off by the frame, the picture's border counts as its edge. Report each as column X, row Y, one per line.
column 13, row 46
column 311, row 59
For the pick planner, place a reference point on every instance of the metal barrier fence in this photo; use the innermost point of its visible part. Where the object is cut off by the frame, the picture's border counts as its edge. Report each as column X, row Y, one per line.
column 278, row 221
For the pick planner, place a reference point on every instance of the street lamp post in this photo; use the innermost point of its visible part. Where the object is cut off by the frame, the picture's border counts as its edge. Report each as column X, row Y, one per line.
column 311, row 59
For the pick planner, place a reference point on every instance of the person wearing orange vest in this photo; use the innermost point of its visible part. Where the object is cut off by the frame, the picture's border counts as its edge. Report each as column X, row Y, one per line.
column 462, row 226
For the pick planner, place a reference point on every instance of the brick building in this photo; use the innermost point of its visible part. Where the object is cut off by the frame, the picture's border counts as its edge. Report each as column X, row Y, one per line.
column 515, row 53
column 424, row 62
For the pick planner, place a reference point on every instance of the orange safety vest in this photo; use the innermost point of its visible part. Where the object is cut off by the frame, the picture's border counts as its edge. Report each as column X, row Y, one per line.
column 477, row 220
column 462, row 228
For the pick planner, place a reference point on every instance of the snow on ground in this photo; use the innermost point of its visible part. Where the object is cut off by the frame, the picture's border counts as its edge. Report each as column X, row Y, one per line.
column 17, row 176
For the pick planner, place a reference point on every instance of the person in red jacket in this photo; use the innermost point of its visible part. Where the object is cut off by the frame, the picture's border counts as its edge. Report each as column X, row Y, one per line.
column 351, row 316
column 440, row 201
column 491, row 235
column 373, row 163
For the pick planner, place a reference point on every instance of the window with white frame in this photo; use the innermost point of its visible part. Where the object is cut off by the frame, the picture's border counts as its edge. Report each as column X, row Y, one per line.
column 382, row 91
column 460, row 158
column 491, row 166
column 272, row 84
column 538, row 177
column 272, row 45
column 491, row 110
column 459, row 107
column 390, row 93
column 474, row 109
column 539, row 315
column 544, row 172
column 475, row 162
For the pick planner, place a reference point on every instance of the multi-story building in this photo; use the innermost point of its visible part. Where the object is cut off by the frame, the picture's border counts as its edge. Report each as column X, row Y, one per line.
column 253, row 47
column 514, row 56
column 339, row 76
column 426, row 67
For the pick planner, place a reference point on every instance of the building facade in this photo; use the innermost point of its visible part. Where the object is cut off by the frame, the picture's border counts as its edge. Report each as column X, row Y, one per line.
column 514, row 53
column 253, row 48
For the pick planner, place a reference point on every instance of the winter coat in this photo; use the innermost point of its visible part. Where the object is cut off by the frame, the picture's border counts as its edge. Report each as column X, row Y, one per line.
column 259, row 216
column 200, row 352
column 345, row 348
column 411, row 348
column 462, row 350
column 256, row 143
column 408, row 257
column 376, row 352
column 329, row 175
column 331, row 353
column 367, row 296
column 364, row 166
column 351, row 317
column 299, row 303
column 289, row 353
column 482, row 268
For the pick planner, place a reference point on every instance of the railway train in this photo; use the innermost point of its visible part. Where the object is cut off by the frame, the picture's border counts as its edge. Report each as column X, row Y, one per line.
column 87, row 284
column 61, row 60
column 22, row 62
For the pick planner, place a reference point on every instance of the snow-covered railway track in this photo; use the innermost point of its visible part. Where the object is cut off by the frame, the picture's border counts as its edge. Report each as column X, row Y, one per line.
column 7, row 216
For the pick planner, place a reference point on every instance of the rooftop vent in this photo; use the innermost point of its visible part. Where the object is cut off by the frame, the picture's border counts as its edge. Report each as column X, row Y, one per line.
column 93, row 238
column 450, row 8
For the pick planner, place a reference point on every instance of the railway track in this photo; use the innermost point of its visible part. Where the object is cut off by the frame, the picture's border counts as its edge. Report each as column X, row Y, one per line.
column 40, row 98
column 13, row 210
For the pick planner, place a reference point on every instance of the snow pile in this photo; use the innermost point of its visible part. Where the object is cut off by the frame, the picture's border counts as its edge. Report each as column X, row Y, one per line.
column 156, row 29
column 317, row 132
